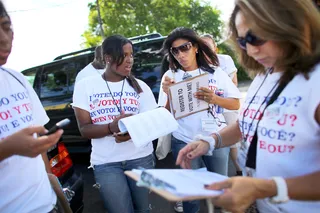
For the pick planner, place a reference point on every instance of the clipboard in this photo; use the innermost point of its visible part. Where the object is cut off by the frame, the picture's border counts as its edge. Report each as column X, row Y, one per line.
column 166, row 194
column 182, row 101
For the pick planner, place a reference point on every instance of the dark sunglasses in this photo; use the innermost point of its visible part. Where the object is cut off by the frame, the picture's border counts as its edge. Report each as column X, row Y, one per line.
column 251, row 39
column 182, row 48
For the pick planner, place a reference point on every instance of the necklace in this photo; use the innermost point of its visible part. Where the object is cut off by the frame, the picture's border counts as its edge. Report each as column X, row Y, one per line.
column 245, row 136
column 120, row 99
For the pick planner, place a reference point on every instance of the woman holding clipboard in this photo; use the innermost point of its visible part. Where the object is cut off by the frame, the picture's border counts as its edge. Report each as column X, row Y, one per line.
column 189, row 56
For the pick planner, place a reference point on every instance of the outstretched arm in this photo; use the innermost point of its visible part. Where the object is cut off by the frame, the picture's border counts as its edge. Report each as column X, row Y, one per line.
column 230, row 135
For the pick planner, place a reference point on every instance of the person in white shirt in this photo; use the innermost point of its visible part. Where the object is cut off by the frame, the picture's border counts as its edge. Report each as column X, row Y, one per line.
column 226, row 63
column 24, row 185
column 96, row 67
column 99, row 103
column 279, row 122
column 187, row 58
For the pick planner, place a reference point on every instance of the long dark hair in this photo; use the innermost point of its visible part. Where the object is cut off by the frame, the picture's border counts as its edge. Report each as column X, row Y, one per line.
column 3, row 11
column 164, row 64
column 204, row 52
column 112, row 46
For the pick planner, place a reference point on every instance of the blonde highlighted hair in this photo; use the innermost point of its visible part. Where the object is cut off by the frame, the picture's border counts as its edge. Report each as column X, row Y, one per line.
column 293, row 24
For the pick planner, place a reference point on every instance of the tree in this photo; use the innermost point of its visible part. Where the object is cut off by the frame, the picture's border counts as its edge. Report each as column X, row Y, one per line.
column 137, row 17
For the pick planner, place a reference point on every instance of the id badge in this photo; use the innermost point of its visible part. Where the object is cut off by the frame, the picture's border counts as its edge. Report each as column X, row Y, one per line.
column 273, row 112
column 209, row 125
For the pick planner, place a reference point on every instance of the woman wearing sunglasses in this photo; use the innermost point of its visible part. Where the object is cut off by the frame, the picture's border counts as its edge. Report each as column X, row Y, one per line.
column 187, row 58
column 279, row 121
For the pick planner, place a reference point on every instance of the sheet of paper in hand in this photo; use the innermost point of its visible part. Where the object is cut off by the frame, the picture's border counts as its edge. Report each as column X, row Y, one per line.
column 182, row 100
column 178, row 184
column 148, row 126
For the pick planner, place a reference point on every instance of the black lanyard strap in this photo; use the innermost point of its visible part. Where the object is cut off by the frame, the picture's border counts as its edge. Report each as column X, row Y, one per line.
column 114, row 101
column 252, row 152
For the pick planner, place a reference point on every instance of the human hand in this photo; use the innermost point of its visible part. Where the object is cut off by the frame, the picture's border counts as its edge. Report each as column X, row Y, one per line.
column 121, row 138
column 24, row 143
column 191, row 151
column 239, row 193
column 114, row 124
column 206, row 94
column 166, row 84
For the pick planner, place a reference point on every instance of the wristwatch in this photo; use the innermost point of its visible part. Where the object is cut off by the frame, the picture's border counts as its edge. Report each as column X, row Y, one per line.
column 282, row 191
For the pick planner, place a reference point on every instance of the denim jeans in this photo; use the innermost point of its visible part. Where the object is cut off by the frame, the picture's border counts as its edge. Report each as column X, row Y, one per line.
column 218, row 163
column 119, row 192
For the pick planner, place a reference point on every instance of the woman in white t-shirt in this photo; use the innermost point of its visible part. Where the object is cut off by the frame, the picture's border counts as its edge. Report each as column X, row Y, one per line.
column 280, row 148
column 187, row 59
column 99, row 102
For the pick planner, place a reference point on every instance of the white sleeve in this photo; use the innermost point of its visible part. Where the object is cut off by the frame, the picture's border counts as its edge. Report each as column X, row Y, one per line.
column 80, row 97
column 147, row 100
column 38, row 112
column 163, row 97
column 230, row 66
column 225, row 83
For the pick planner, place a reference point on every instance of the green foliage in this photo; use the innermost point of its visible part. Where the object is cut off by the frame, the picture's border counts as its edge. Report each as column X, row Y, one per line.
column 241, row 74
column 137, row 17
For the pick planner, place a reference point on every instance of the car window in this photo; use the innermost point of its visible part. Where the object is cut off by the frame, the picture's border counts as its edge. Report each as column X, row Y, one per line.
column 78, row 65
column 30, row 75
column 147, row 64
column 54, row 80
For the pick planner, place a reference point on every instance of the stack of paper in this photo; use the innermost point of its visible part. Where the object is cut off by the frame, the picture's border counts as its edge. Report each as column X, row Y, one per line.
column 184, row 182
column 148, row 126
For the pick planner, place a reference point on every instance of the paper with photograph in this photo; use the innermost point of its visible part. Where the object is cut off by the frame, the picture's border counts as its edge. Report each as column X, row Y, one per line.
column 148, row 126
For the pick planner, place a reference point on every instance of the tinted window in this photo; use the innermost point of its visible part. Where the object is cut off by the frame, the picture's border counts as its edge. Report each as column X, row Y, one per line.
column 58, row 79
column 147, row 64
column 78, row 64
column 54, row 80
column 30, row 75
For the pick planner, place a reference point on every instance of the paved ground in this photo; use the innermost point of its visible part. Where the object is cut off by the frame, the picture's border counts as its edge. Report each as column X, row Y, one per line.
column 93, row 203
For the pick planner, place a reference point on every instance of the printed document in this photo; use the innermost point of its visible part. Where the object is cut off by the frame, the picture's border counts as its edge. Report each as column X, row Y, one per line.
column 181, row 182
column 181, row 96
column 148, row 126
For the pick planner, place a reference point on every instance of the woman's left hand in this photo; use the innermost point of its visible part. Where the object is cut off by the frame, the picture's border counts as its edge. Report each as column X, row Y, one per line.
column 121, row 138
column 206, row 94
column 239, row 193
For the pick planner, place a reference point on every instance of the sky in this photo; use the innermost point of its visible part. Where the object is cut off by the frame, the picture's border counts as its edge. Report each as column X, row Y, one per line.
column 45, row 29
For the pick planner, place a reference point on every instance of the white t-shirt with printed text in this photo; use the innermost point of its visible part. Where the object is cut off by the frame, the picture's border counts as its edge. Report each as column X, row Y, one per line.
column 288, row 134
column 190, row 126
column 227, row 65
column 88, row 71
column 24, row 185
column 93, row 96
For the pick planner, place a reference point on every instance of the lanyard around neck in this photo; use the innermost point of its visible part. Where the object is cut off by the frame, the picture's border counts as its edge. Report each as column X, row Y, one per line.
column 120, row 100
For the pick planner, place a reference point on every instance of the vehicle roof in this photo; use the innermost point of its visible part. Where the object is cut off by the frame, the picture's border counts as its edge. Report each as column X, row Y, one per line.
column 88, row 51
